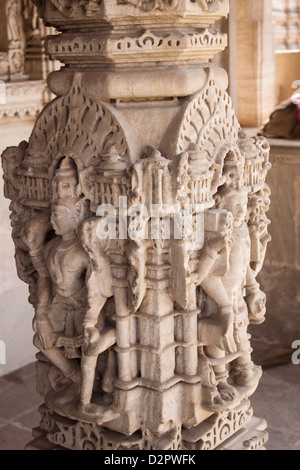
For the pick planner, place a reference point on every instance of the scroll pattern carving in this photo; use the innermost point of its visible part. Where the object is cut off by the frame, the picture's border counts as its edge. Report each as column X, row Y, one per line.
column 77, row 436
column 150, row 46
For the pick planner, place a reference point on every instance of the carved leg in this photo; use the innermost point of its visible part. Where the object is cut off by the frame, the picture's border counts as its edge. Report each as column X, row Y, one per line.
column 88, row 366
column 110, row 373
column 67, row 366
column 88, row 369
column 227, row 392
column 92, row 411
column 246, row 373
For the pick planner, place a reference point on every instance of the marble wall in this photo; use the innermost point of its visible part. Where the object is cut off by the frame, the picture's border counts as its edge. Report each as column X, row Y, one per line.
column 15, row 312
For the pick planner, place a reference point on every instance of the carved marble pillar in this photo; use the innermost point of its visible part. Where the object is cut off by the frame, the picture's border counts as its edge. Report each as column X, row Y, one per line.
column 11, row 40
column 256, row 64
column 22, row 39
column 37, row 63
column 139, row 219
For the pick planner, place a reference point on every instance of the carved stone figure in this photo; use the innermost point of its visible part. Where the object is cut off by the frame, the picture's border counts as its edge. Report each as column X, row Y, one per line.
column 70, row 294
column 139, row 219
column 69, row 8
column 151, row 5
column 227, row 291
column 15, row 31
column 22, row 47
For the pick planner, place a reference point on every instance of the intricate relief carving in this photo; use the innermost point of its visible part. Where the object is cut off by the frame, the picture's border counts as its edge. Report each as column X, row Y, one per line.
column 76, row 126
column 21, row 111
column 65, row 275
column 68, row 12
column 14, row 35
column 14, row 26
column 150, row 46
column 206, row 301
column 165, row 5
column 218, row 428
column 37, row 64
column 208, row 5
column 208, row 435
column 33, row 23
column 3, row 63
column 73, row 435
column 209, row 120
column 68, row 294
column 70, row 8
column 26, row 98
column 140, row 227
column 23, row 39
column 151, row 5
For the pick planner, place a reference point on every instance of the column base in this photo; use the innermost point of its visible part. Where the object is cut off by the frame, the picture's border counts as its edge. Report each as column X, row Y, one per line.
column 230, row 430
column 252, row 437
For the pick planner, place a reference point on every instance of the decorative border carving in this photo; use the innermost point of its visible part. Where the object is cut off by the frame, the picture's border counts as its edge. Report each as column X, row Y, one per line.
column 150, row 46
column 199, row 12
column 217, row 429
column 209, row 435
column 24, row 99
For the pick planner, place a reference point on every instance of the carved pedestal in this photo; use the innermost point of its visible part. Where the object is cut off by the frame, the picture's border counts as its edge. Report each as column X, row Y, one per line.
column 138, row 215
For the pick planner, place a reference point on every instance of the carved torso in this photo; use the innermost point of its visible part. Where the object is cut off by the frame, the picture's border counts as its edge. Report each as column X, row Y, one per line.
column 67, row 263
column 235, row 279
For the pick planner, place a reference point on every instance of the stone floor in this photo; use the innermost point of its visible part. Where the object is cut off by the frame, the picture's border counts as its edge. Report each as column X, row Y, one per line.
column 277, row 400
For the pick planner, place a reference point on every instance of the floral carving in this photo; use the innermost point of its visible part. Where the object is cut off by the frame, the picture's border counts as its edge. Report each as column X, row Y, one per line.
column 208, row 5
column 151, row 5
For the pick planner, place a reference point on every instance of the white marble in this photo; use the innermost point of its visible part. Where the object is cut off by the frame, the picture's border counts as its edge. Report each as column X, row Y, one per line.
column 15, row 313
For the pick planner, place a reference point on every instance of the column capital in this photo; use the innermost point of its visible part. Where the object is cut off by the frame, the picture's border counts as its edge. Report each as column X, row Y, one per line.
column 120, row 32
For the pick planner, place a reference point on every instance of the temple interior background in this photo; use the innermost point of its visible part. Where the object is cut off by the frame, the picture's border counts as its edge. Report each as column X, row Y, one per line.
column 263, row 66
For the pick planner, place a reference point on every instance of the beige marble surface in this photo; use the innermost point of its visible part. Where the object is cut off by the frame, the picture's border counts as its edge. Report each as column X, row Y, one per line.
column 15, row 312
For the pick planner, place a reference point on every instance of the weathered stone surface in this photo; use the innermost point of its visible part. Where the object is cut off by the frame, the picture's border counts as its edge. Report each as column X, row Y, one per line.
column 142, row 326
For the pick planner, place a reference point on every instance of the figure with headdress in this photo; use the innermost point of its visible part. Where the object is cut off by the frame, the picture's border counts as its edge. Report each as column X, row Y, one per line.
column 233, row 295
column 70, row 292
